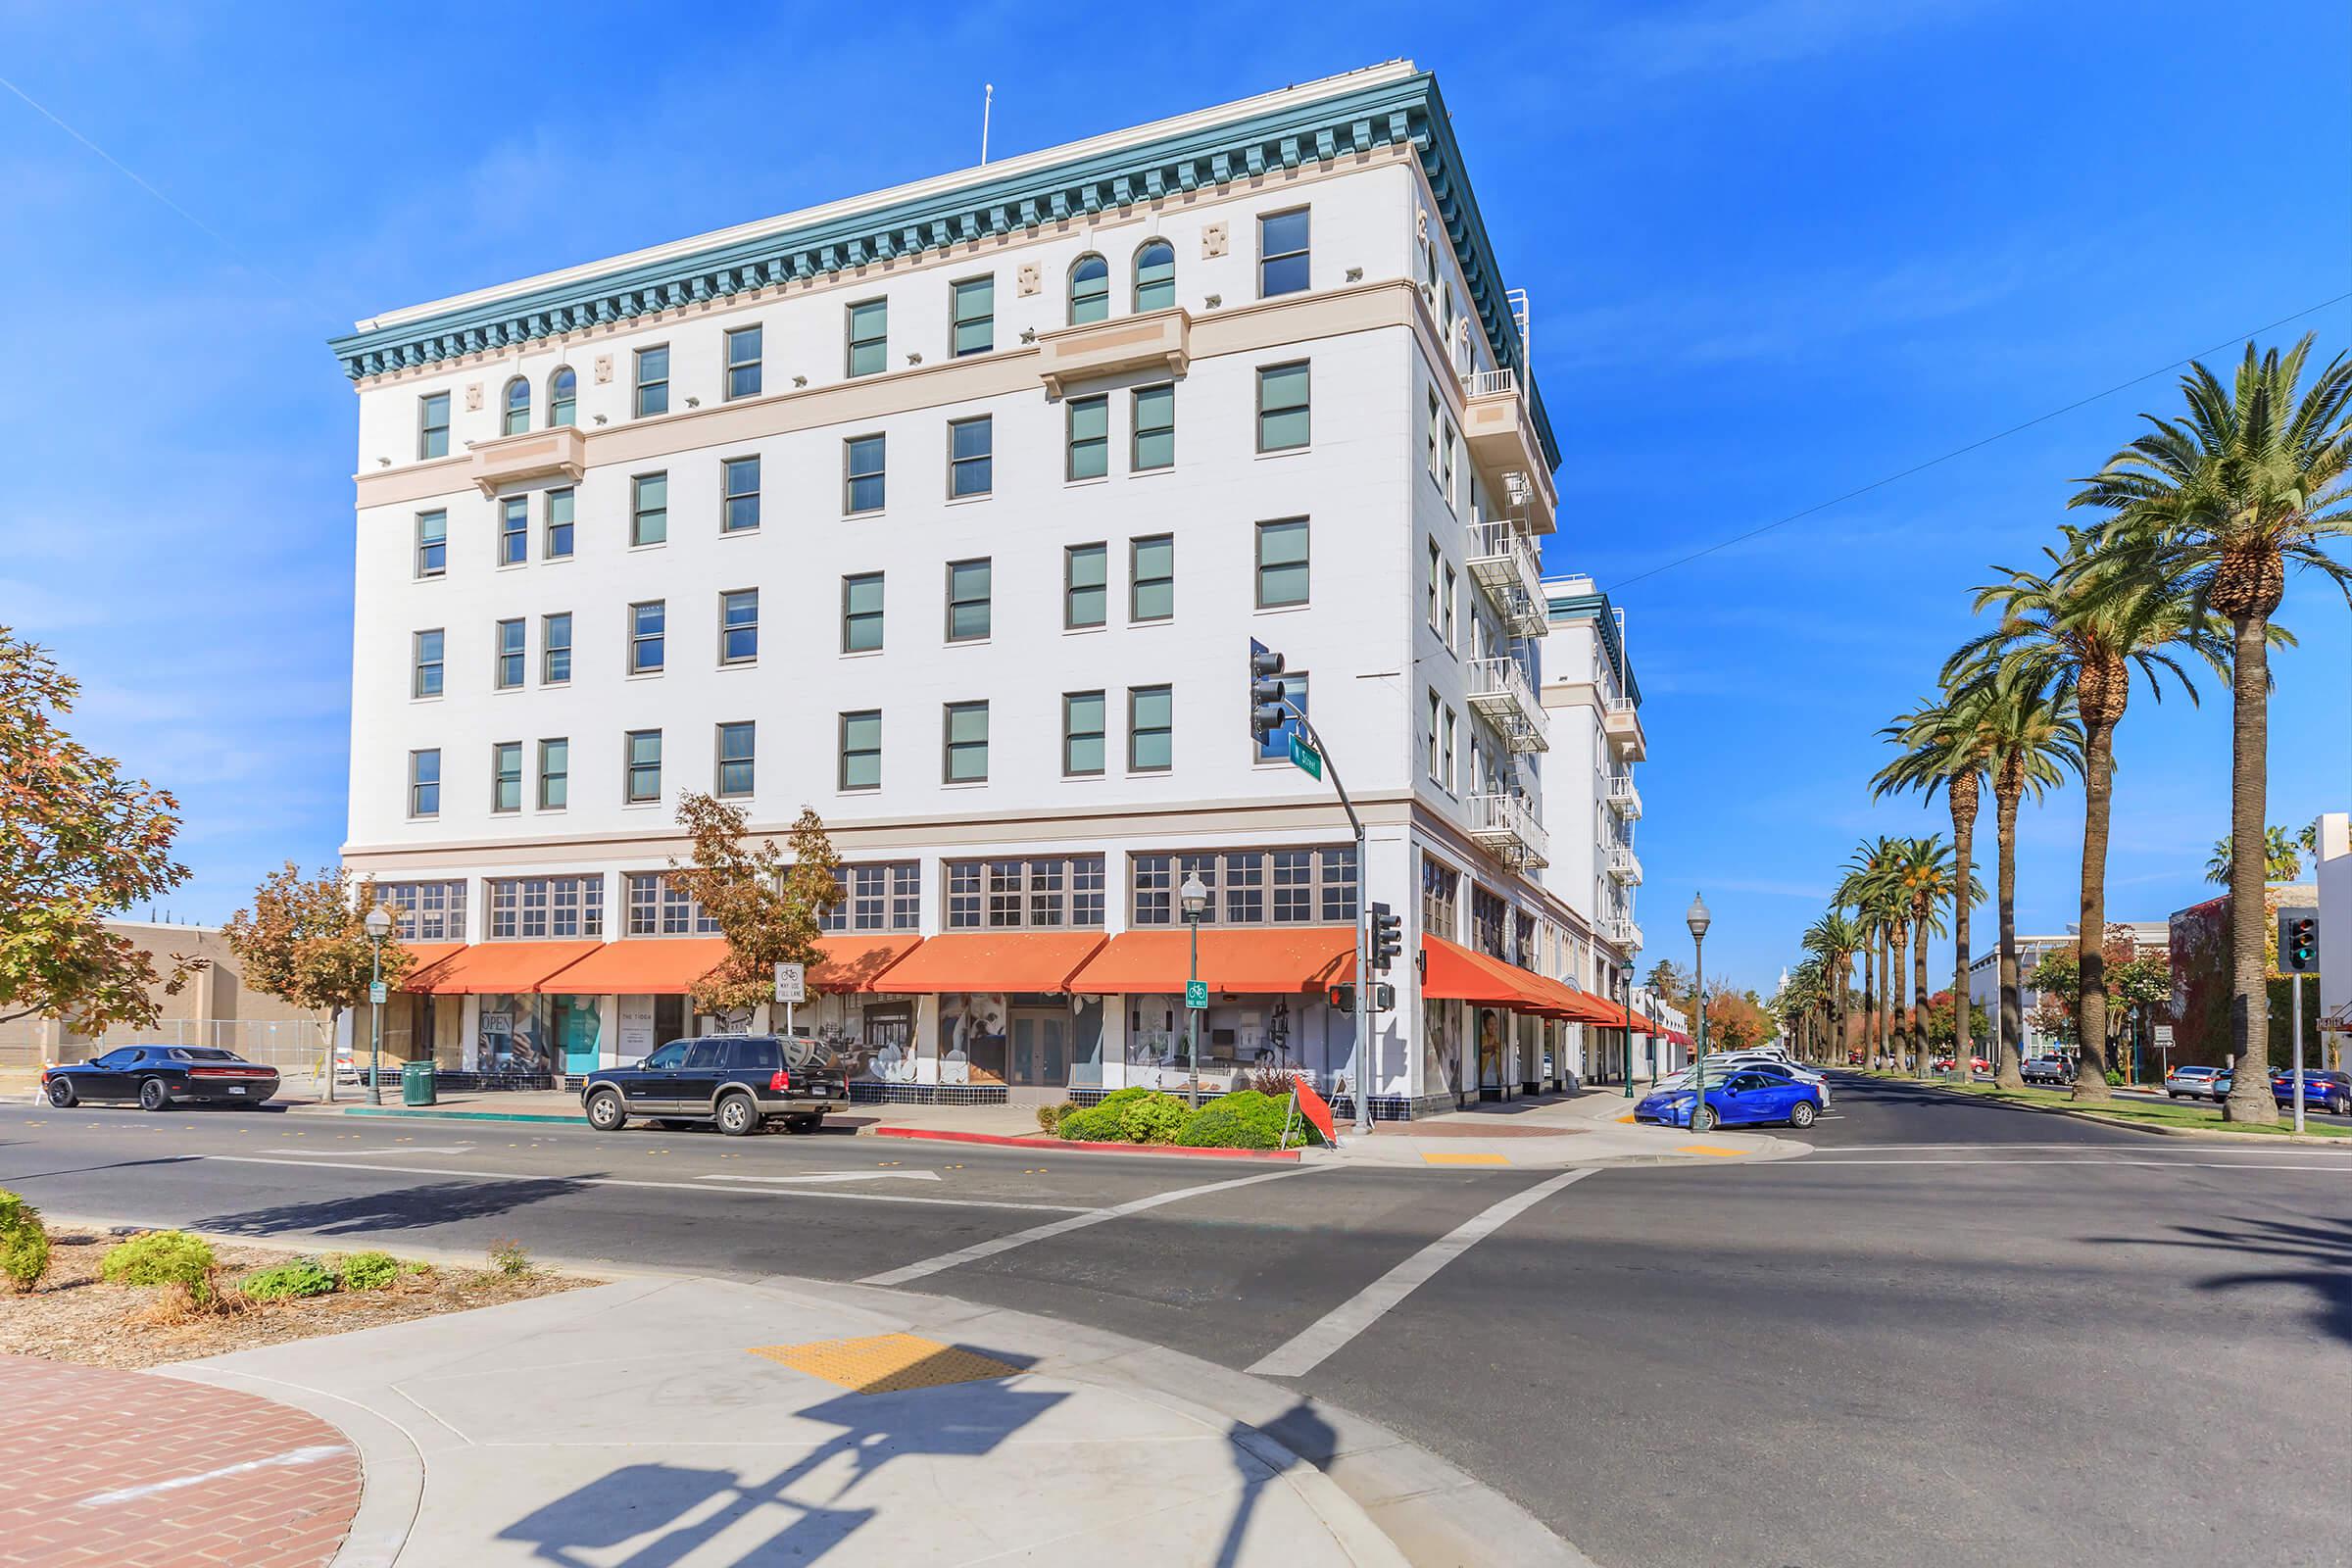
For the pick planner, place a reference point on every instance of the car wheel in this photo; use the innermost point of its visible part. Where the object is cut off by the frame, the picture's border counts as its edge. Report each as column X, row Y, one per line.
column 608, row 1113
column 153, row 1095
column 737, row 1115
column 804, row 1124
column 1801, row 1115
column 61, row 1093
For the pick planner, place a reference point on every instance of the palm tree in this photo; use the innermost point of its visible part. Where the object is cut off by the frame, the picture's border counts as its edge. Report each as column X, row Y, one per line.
column 2032, row 741
column 1833, row 940
column 2252, row 482
column 1930, row 879
column 1873, row 885
column 1945, row 747
column 2084, row 627
column 2281, row 861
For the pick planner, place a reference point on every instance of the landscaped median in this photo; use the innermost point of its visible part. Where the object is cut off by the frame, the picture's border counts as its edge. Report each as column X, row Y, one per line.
column 1244, row 1124
column 2154, row 1116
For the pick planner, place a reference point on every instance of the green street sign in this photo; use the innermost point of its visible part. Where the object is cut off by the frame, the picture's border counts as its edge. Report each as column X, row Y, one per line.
column 375, row 993
column 1196, row 993
column 1305, row 757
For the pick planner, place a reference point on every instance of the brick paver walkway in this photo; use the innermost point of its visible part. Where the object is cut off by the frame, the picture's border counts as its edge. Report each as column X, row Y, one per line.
column 128, row 1470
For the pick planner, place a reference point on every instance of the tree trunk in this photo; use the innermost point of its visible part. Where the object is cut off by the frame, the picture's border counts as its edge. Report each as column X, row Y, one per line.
column 2013, row 1012
column 1899, row 941
column 2251, row 1098
column 1960, row 792
column 2090, row 944
column 1919, row 998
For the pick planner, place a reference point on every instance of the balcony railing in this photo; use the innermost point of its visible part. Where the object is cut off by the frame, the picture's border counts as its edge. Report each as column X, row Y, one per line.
column 1500, row 692
column 1622, row 796
column 1502, row 437
column 1504, row 561
column 1621, row 721
column 1624, row 866
column 1619, row 931
column 1486, row 383
column 1504, row 826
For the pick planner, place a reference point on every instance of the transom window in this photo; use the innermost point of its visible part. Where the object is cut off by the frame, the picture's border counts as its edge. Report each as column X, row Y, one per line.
column 1035, row 894
column 659, row 910
column 887, row 897
column 1155, row 276
column 1490, row 921
column 541, row 908
column 741, row 508
column 975, row 316
column 1090, row 291
column 743, row 362
column 1282, row 253
column 869, row 337
column 653, row 381
column 1308, row 886
column 425, row 911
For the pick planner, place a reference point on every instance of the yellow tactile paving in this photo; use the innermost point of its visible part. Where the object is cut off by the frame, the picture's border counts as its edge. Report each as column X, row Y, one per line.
column 1629, row 1116
column 1709, row 1148
column 886, row 1363
column 1464, row 1159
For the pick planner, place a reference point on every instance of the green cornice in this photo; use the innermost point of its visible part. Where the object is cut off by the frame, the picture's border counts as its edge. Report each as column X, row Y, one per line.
column 1405, row 110
column 1595, row 608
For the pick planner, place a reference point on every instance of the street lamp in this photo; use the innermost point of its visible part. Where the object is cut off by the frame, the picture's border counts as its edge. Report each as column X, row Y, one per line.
column 1632, row 951
column 379, row 926
column 1194, row 896
column 1698, row 920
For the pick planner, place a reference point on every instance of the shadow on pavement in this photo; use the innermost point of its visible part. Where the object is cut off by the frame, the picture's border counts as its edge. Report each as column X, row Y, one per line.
column 396, row 1208
column 111, row 1164
column 2316, row 1255
column 1299, row 1429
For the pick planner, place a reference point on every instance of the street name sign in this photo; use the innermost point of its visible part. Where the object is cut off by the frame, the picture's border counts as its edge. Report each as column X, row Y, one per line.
column 1305, row 757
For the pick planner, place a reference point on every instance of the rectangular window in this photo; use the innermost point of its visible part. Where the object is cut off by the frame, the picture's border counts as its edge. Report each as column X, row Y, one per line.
column 869, row 337
column 1446, row 465
column 1152, row 577
column 861, row 460
column 1440, row 887
column 1248, row 887
column 644, row 780
column 1452, row 594
column 1281, row 562
column 736, row 746
column 659, row 907
column 506, row 776
column 1276, row 747
column 649, row 509
column 1431, row 456
column 432, row 542
column 425, row 662
column 862, row 612
column 739, row 626
column 743, row 362
column 425, row 911
column 1084, row 585
column 967, row 738
column 1282, row 251
column 554, row 648
column 739, row 510
column 509, row 673
column 653, row 381
column 537, row 909
column 1155, row 419
column 513, row 530
column 971, row 464
column 975, row 316
column 1084, row 721
column 1445, row 773
column 886, row 897
column 1151, row 728
column 861, row 750
column 648, row 632
column 1052, row 892
column 433, row 425
column 559, row 525
column 1088, row 437
column 1434, row 559
column 967, row 601
column 1434, row 711
column 424, row 783
column 1283, row 414
column 555, row 774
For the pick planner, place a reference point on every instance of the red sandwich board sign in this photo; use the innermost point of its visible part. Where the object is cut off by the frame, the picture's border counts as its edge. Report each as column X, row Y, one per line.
column 1314, row 1107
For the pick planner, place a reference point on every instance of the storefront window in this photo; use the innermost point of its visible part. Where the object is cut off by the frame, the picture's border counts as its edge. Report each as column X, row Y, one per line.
column 657, row 908
column 425, row 911
column 509, row 1036
column 547, row 908
column 1248, row 887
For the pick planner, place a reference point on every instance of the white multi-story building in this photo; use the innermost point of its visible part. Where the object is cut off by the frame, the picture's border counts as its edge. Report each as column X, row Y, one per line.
column 951, row 512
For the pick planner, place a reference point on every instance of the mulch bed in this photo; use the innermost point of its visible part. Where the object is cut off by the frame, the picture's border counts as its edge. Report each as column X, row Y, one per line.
column 77, row 1316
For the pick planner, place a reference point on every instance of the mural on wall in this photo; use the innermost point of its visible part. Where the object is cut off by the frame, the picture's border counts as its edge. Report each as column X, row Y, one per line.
column 1441, row 1049
column 971, row 1037
column 509, row 1037
column 1489, row 1048
column 874, row 1039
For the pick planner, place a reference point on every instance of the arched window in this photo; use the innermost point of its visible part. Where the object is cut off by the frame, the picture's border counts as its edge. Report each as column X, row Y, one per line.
column 1155, row 276
column 562, row 398
column 1090, row 291
column 518, row 408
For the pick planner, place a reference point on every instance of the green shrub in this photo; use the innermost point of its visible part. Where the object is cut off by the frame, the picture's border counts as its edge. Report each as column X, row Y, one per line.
column 511, row 1258
column 1050, row 1117
column 285, row 1282
column 1245, row 1119
column 1152, row 1119
column 2115, row 1077
column 163, row 1257
column 23, row 1243
column 1091, row 1124
column 1127, row 1096
column 370, row 1271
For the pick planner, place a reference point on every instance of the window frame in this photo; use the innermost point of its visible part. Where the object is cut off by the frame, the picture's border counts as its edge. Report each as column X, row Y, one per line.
column 728, row 630
column 851, row 615
column 499, row 779
column 1304, row 407
column 958, row 320
column 560, row 777
column 558, row 399
column 419, row 664
column 1100, row 735
column 549, row 647
column 440, row 565
column 986, row 601
column 1305, row 564
column 501, row 655
column 950, row 745
column 428, row 405
column 639, row 512
column 1136, row 275
column 631, row 766
column 1025, row 893
column 985, row 460
column 1137, row 429
column 730, row 367
column 568, row 525
column 1072, row 587
column 729, row 498
column 1304, row 253
column 720, row 761
column 514, row 531
column 640, row 639
column 1164, row 691
column 509, row 409
column 1136, row 581
column 642, row 405
column 851, row 477
column 1071, row 296
column 843, row 751
column 419, row 783
column 852, row 343
column 1073, row 442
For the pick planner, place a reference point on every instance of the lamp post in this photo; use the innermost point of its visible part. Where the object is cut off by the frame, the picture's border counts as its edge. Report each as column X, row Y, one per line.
column 1698, row 920
column 1633, row 952
column 379, row 926
column 1195, row 898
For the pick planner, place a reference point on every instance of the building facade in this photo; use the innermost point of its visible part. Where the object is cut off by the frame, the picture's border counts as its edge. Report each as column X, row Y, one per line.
column 951, row 512
column 215, row 1007
column 1985, row 977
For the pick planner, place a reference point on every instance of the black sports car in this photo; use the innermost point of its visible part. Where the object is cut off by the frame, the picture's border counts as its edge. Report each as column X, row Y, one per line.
column 158, row 1077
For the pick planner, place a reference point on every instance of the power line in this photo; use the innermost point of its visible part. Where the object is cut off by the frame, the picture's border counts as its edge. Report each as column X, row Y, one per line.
column 1961, row 452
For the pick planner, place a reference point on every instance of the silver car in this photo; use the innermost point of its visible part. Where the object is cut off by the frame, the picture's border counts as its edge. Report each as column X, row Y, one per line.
column 2193, row 1083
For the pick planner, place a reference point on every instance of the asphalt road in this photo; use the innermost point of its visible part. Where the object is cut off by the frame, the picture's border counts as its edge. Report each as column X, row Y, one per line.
column 1957, row 1333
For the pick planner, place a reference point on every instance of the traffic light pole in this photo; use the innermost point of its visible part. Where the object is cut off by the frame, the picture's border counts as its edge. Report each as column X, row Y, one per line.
column 1364, row 930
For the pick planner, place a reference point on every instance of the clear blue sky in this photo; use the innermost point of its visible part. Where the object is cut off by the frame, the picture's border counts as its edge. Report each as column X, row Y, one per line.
column 1777, row 250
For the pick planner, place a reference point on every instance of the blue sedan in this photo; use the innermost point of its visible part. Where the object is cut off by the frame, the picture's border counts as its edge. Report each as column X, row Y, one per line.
column 1744, row 1099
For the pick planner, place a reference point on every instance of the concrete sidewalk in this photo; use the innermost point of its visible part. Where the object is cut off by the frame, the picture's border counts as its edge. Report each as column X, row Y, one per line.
column 693, row 1422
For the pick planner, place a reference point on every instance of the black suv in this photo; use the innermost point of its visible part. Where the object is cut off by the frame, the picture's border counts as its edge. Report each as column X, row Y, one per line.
column 741, row 1082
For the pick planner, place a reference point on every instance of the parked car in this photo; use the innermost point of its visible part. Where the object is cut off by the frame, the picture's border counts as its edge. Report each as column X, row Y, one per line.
column 1747, row 1097
column 1720, row 1070
column 156, row 1077
column 2055, row 1071
column 2325, row 1090
column 1976, row 1063
column 738, row 1081
column 2192, row 1081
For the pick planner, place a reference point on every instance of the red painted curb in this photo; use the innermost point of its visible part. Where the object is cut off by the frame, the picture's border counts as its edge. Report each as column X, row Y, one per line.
column 1001, row 1140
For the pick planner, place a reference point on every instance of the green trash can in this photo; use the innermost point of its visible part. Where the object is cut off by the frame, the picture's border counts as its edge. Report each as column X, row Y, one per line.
column 416, row 1085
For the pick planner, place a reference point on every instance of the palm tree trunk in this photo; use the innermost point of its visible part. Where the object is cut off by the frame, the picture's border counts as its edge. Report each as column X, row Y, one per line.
column 2251, row 1098
column 1961, row 794
column 2005, row 1074
column 2091, row 943
column 1878, row 1016
column 1919, row 996
column 1900, row 942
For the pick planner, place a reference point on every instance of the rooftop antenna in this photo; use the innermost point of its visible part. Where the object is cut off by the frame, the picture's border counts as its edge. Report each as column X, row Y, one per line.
column 987, row 102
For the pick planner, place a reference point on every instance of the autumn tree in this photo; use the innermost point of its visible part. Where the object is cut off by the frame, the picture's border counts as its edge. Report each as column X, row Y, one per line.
column 78, row 842
column 770, row 909
column 1736, row 1020
column 1669, row 982
column 304, row 940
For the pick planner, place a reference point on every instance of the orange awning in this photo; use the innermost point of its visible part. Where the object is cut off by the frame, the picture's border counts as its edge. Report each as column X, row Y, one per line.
column 660, row 967
column 504, row 966
column 1452, row 972
column 1580, row 1006
column 1259, row 962
column 994, row 960
column 856, row 963
column 429, row 957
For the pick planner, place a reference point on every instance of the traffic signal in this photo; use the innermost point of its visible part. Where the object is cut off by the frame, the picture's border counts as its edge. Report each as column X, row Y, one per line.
column 1387, row 937
column 1384, row 997
column 1342, row 999
column 2298, row 941
column 1266, row 710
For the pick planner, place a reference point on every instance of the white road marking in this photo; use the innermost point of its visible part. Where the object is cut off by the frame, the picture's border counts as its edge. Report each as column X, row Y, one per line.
column 305, row 1456
column 1319, row 1339
column 1062, row 1227
column 420, row 1148
column 2074, row 1148
column 2151, row 1165
column 832, row 1176
column 675, row 1187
